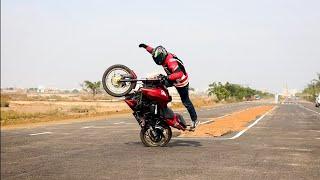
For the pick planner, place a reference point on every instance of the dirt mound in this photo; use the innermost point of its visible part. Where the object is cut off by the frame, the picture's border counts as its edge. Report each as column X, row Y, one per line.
column 234, row 122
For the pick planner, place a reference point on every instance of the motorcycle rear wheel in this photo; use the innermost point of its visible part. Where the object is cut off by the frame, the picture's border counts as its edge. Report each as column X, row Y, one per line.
column 148, row 140
column 111, row 82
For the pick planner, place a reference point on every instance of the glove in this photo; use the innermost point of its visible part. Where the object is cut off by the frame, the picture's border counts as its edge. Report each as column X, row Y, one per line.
column 165, row 81
column 142, row 46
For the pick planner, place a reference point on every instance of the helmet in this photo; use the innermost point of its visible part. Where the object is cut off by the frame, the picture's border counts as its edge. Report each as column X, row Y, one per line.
column 159, row 54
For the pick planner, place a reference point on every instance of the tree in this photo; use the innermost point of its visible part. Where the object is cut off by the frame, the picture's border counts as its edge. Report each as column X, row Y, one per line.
column 94, row 87
column 75, row 91
column 312, row 89
column 219, row 90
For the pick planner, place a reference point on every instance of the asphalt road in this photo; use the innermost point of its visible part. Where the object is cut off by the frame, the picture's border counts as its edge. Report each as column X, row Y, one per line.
column 283, row 145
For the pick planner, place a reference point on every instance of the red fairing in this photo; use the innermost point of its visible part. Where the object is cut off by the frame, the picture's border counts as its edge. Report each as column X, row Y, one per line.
column 156, row 94
column 131, row 103
column 174, row 123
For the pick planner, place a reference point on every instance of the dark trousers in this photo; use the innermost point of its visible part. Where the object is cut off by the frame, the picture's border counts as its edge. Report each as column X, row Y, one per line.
column 184, row 95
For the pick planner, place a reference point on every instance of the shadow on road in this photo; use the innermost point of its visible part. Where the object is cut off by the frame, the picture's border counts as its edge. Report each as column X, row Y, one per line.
column 184, row 143
column 176, row 143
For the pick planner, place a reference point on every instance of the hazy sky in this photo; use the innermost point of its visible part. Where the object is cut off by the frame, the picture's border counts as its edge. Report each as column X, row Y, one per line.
column 60, row 43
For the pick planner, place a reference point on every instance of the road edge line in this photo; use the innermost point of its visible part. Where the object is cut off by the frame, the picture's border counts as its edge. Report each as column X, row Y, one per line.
column 41, row 133
column 302, row 106
column 251, row 125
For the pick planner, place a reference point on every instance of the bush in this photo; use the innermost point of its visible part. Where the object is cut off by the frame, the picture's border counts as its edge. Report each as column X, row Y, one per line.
column 4, row 102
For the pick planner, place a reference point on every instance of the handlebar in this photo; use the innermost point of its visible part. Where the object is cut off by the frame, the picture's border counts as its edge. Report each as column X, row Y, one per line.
column 158, row 80
column 136, row 80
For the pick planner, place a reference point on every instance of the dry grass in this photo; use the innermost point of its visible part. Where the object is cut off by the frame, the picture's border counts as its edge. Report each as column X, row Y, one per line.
column 55, row 97
column 4, row 102
column 14, row 118
column 197, row 101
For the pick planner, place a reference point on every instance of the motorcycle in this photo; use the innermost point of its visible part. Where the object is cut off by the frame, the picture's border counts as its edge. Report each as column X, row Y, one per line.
column 148, row 103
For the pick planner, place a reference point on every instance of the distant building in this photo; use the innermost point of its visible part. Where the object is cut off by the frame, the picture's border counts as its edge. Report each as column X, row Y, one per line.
column 40, row 89
column 13, row 90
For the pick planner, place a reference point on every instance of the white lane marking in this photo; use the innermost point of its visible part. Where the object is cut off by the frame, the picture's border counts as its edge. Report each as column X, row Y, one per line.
column 119, row 122
column 304, row 150
column 35, row 134
column 313, row 130
column 293, row 164
column 86, row 127
column 281, row 148
column 309, row 109
column 64, row 133
column 211, row 120
column 123, row 123
column 251, row 125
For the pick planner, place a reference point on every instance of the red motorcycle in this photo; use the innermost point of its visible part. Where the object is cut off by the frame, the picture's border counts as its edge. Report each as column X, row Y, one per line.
column 148, row 103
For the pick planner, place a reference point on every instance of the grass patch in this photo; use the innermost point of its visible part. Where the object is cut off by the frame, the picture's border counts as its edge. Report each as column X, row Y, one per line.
column 196, row 101
column 5, row 101
column 14, row 117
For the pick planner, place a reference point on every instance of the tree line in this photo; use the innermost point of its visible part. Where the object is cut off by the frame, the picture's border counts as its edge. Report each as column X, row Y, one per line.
column 230, row 91
column 227, row 91
column 313, row 89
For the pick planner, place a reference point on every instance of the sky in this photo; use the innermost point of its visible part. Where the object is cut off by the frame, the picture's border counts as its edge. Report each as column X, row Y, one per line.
column 263, row 44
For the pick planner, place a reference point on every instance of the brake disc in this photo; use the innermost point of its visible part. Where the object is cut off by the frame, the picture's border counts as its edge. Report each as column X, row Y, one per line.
column 116, row 81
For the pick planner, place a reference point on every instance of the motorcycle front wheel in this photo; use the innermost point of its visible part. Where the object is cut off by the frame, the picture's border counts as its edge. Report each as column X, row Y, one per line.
column 160, row 137
column 111, row 80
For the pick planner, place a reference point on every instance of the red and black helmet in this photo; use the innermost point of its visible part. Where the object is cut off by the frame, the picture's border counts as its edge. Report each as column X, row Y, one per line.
column 159, row 54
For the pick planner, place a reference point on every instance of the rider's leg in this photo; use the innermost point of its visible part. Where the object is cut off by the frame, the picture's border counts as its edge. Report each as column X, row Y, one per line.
column 184, row 95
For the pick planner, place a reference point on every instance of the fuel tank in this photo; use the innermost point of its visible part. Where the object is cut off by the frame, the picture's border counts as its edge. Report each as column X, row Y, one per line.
column 157, row 94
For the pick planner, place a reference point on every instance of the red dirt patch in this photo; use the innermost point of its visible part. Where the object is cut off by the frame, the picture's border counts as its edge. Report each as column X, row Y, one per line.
column 234, row 122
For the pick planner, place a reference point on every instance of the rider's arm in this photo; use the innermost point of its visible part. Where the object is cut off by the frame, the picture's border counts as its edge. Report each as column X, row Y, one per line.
column 175, row 69
column 148, row 48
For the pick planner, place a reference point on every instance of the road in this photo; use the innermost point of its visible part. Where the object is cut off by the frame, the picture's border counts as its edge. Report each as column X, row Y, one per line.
column 285, row 144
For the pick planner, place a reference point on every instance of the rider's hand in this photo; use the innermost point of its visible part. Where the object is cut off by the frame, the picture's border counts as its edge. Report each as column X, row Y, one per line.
column 165, row 81
column 142, row 45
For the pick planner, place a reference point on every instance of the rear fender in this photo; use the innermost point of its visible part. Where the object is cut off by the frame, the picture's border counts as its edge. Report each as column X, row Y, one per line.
column 175, row 122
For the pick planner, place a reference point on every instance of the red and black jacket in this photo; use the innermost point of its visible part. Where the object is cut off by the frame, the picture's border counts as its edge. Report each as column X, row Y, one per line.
column 174, row 69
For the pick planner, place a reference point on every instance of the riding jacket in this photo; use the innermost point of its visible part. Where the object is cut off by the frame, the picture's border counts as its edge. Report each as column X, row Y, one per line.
column 174, row 68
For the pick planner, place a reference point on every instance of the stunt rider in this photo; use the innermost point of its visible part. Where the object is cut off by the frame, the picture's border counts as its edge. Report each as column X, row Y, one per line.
column 177, row 76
